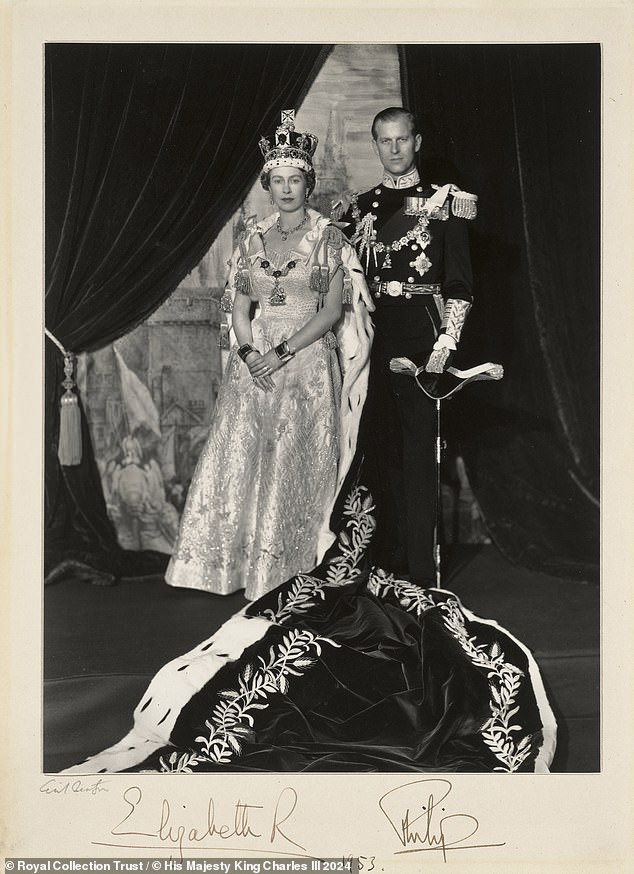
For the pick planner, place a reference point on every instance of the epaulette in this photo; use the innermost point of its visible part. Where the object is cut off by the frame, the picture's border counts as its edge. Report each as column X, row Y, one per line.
column 463, row 204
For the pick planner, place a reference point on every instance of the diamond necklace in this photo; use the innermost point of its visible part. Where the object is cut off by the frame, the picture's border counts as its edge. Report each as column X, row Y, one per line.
column 286, row 234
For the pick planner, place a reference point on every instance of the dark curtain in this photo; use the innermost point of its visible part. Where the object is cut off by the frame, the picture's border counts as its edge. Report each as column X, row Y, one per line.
column 149, row 151
column 519, row 125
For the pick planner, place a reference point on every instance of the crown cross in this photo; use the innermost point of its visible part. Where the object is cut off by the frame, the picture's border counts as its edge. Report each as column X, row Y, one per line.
column 288, row 118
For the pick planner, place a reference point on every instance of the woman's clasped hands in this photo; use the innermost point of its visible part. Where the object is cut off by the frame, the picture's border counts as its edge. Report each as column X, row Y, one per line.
column 261, row 367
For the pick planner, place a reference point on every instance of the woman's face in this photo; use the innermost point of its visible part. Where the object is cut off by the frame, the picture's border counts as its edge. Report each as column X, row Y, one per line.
column 288, row 188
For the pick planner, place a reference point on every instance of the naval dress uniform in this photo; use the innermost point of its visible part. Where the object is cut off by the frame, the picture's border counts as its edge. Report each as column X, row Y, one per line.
column 412, row 241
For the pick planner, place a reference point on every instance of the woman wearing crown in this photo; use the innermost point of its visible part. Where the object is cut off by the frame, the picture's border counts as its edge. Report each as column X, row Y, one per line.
column 286, row 419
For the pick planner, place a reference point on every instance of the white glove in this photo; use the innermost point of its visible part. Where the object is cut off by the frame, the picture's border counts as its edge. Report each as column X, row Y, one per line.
column 441, row 350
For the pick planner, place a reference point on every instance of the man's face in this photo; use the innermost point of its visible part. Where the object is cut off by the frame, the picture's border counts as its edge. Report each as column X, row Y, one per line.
column 396, row 146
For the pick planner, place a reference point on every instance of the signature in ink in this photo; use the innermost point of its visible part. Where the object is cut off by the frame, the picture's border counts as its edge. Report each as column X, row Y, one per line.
column 55, row 786
column 175, row 826
column 418, row 814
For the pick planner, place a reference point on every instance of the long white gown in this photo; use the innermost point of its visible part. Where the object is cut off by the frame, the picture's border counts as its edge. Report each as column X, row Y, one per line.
column 261, row 494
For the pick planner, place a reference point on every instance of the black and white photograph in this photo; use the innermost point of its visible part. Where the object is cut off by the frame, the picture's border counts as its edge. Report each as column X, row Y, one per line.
column 322, row 455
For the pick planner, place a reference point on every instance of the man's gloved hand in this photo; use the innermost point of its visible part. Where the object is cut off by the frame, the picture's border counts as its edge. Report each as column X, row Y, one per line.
column 442, row 349
column 451, row 324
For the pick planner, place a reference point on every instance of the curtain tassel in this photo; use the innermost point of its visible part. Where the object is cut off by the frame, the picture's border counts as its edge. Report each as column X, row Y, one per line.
column 69, row 447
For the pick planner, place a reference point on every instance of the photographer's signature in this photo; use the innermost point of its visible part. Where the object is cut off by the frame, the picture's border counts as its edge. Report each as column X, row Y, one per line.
column 57, row 786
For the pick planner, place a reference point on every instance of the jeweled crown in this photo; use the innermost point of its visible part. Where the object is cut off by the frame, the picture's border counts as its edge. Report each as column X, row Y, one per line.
column 289, row 148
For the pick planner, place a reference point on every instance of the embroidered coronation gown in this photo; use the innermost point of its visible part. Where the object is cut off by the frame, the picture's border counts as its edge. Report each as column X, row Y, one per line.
column 343, row 666
column 266, row 478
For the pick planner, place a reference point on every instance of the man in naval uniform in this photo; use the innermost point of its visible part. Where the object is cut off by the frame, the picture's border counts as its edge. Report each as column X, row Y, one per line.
column 412, row 240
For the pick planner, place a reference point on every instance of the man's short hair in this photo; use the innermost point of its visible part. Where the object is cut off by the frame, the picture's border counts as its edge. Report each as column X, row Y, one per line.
column 393, row 113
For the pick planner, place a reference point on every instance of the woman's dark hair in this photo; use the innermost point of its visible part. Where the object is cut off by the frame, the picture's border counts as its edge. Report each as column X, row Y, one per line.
column 309, row 176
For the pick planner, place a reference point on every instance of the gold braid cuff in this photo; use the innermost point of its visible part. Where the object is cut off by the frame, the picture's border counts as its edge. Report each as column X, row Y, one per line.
column 454, row 317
